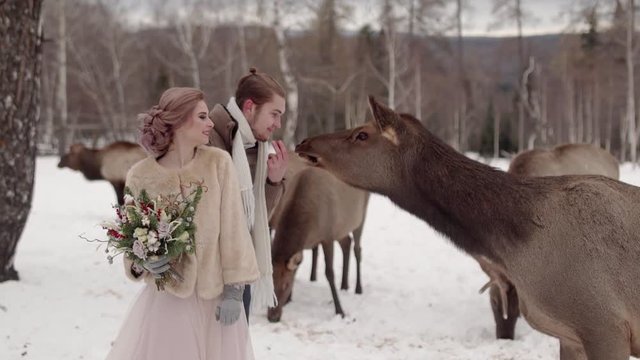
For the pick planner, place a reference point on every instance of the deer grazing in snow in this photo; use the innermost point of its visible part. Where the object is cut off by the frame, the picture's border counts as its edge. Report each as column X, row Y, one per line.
column 569, row 244
column 315, row 210
column 567, row 159
column 110, row 163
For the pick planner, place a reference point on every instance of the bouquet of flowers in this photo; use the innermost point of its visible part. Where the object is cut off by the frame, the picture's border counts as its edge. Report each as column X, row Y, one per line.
column 146, row 229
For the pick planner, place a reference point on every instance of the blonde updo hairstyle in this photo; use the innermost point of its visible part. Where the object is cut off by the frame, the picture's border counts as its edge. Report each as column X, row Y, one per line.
column 160, row 122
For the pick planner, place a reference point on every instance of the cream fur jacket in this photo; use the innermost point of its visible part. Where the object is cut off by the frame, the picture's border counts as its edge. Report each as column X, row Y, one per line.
column 224, row 252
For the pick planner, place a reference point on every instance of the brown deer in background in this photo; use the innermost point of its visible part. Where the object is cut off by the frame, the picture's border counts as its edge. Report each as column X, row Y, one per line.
column 110, row 163
column 567, row 159
column 569, row 244
column 316, row 209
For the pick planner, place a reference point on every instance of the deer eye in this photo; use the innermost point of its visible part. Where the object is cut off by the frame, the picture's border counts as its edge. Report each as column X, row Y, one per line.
column 362, row 136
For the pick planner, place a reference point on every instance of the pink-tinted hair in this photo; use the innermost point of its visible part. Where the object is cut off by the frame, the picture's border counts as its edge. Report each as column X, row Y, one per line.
column 160, row 122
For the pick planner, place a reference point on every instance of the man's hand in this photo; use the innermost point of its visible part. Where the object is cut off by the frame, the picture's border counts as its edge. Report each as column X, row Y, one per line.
column 277, row 163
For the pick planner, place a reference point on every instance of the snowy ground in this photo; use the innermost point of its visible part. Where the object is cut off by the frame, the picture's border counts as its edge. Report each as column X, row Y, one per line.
column 420, row 296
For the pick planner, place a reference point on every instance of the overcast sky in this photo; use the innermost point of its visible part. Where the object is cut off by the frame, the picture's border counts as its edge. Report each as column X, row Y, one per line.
column 545, row 15
column 478, row 17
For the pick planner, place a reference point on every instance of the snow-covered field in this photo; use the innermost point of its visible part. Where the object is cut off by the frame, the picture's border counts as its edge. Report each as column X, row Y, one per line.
column 420, row 296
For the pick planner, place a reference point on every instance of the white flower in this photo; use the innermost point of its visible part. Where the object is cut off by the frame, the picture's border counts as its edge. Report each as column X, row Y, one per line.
column 140, row 232
column 128, row 199
column 183, row 237
column 153, row 247
column 152, row 237
column 145, row 221
column 109, row 225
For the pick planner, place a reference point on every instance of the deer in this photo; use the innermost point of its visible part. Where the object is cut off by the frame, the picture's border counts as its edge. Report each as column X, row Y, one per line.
column 570, row 244
column 315, row 210
column 566, row 159
column 110, row 163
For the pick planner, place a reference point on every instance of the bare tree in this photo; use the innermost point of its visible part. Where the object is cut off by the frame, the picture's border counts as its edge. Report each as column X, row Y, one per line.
column 20, row 59
column 101, row 50
column 511, row 10
column 289, row 79
column 64, row 135
column 631, row 105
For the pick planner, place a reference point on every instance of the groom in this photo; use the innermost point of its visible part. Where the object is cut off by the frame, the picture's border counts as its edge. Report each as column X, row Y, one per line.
column 243, row 128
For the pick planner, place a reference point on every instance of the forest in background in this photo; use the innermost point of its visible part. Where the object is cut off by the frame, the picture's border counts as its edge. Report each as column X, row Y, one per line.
column 495, row 96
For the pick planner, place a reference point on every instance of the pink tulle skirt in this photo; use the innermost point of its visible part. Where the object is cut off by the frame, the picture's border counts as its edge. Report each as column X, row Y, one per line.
column 161, row 326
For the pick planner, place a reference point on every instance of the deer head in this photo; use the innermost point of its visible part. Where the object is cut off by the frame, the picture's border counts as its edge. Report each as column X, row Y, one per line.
column 72, row 158
column 369, row 156
column 284, row 273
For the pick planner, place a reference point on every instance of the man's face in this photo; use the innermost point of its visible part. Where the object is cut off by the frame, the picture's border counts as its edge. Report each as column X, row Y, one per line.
column 266, row 118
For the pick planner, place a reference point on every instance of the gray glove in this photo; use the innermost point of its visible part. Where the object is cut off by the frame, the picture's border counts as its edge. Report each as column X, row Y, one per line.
column 157, row 266
column 228, row 312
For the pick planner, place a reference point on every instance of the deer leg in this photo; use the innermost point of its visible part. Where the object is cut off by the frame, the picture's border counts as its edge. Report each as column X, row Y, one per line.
column 327, row 249
column 345, row 244
column 357, row 250
column 571, row 351
column 118, row 186
column 314, row 263
column 505, row 327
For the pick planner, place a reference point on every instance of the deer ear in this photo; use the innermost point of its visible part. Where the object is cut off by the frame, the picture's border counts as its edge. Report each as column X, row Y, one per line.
column 382, row 115
column 294, row 261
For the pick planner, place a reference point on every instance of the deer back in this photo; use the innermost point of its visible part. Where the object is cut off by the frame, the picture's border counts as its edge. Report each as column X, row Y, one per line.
column 118, row 158
column 568, row 159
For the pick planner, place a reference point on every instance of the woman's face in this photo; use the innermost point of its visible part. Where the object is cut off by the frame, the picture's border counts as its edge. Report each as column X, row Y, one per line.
column 265, row 119
column 197, row 128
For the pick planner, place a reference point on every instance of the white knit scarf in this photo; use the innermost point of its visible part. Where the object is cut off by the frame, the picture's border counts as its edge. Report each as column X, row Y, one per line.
column 255, row 205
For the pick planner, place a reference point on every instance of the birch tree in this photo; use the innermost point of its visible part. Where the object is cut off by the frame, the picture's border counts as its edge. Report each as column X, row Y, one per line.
column 290, row 81
column 631, row 105
column 512, row 11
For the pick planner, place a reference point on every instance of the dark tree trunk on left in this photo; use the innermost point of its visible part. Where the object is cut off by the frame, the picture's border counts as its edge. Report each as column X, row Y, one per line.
column 20, row 41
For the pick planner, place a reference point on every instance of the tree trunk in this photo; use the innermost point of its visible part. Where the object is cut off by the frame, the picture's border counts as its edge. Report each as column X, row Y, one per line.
column 580, row 116
column 609, row 134
column 64, row 134
column 20, row 40
column 521, row 112
column 597, row 130
column 391, row 51
column 290, row 82
column 631, row 106
column 496, row 132
column 242, row 45
column 418, row 91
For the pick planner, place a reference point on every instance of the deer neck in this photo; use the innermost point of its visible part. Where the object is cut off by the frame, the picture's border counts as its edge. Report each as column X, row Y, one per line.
column 482, row 210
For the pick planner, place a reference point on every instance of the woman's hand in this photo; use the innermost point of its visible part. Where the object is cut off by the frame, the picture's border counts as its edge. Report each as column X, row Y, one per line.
column 277, row 163
column 230, row 308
